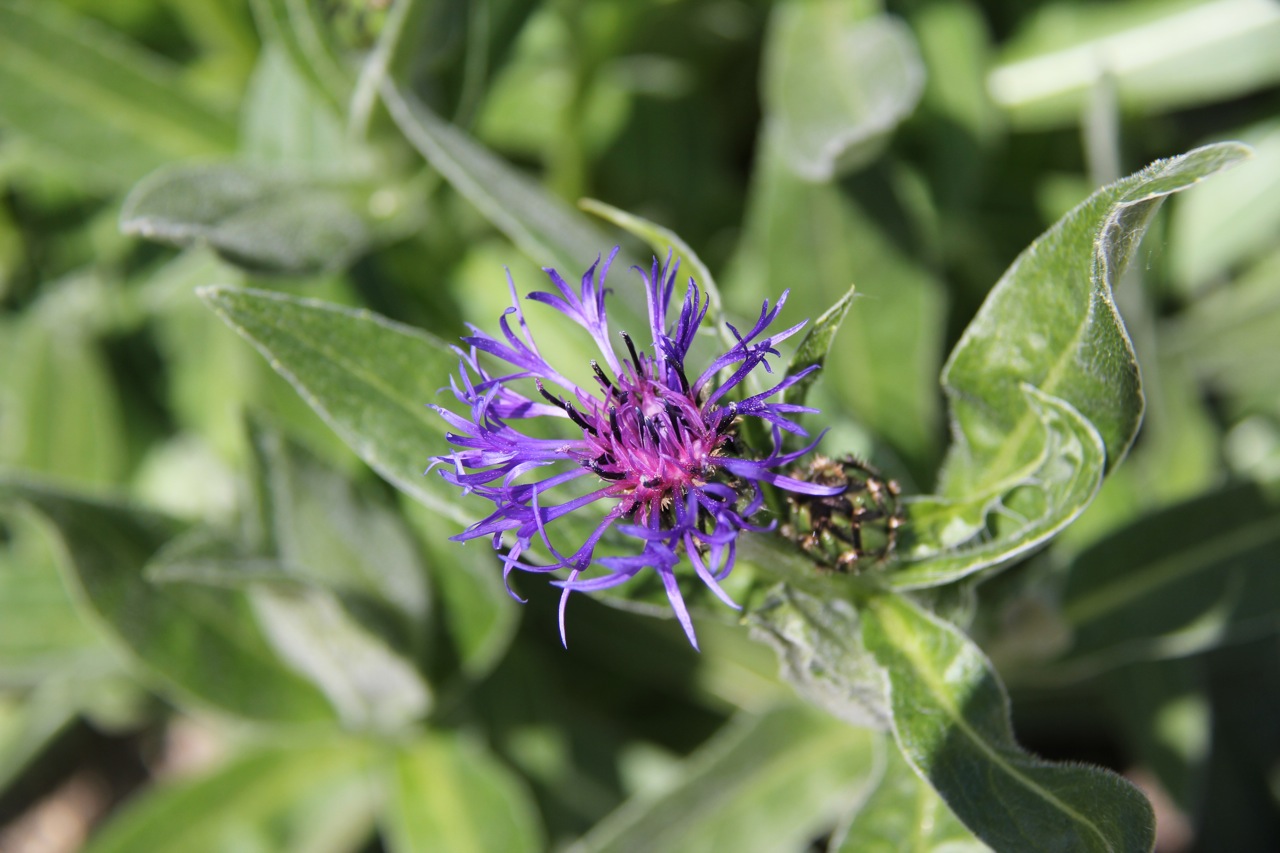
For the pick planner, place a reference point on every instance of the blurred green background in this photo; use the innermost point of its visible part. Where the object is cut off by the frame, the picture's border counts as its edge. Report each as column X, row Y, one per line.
column 151, row 147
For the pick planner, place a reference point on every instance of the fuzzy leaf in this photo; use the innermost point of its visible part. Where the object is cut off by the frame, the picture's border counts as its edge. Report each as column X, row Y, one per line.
column 265, row 221
column 1051, row 322
column 368, row 377
column 951, row 720
column 904, row 813
column 1052, row 494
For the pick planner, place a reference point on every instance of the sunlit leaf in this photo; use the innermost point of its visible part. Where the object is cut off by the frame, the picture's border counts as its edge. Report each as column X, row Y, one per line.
column 951, row 720
column 766, row 783
column 1051, row 495
column 1051, row 322
column 1159, row 55
column 837, row 80
column 368, row 377
column 447, row 794
column 264, row 220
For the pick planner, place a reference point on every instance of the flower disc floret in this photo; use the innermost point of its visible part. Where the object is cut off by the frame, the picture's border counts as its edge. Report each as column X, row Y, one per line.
column 656, row 446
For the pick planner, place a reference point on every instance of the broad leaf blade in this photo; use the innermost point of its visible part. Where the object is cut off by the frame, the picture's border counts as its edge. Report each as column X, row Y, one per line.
column 836, row 82
column 1051, row 322
column 1175, row 583
column 819, row 645
column 904, row 813
column 109, row 110
column 368, row 377
column 951, row 720
column 204, row 642
column 545, row 228
column 447, row 794
column 266, row 221
column 300, row 28
column 1050, row 496
column 766, row 783
column 314, row 796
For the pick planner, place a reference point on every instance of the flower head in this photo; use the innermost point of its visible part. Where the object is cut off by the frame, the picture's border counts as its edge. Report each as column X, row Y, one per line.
column 654, row 444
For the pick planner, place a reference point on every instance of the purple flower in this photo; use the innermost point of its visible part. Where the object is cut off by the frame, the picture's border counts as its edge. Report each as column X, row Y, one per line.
column 654, row 444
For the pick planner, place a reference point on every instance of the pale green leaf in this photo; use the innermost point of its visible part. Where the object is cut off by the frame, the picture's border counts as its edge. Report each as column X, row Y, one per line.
column 300, row 27
column 904, row 814
column 1052, row 494
column 814, row 348
column 265, row 220
column 1230, row 221
column 448, row 794
column 769, row 782
column 368, row 377
column 104, row 107
column 837, row 80
column 951, row 720
column 1160, row 55
column 820, row 239
column 819, row 646
column 204, row 643
column 1175, row 583
column 1051, row 322
column 544, row 227
column 314, row 796
column 29, row 723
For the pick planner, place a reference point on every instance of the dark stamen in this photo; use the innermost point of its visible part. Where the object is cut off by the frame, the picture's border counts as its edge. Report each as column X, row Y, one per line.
column 652, row 426
column 604, row 380
column 631, row 348
column 613, row 424
column 679, row 369
column 577, row 418
column 595, row 466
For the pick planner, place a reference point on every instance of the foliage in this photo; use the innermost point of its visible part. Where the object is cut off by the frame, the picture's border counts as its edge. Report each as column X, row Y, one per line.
column 198, row 537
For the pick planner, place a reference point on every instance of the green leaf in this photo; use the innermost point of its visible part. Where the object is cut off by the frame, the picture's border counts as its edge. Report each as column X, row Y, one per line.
column 108, row 110
column 1051, row 322
column 769, row 782
column 41, row 632
column 299, row 26
column 815, row 347
column 1181, row 581
column 326, row 530
column 369, row 378
column 1160, row 55
column 951, row 720
column 478, row 614
column 264, row 220
column 205, row 643
column 1231, row 220
column 904, row 813
column 1050, row 496
column 544, row 227
column 819, row 646
column 28, row 724
column 837, row 80
column 62, row 416
column 883, row 367
column 448, row 794
column 315, row 796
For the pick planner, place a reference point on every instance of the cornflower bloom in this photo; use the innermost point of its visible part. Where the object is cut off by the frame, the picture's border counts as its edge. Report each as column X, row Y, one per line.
column 658, row 446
